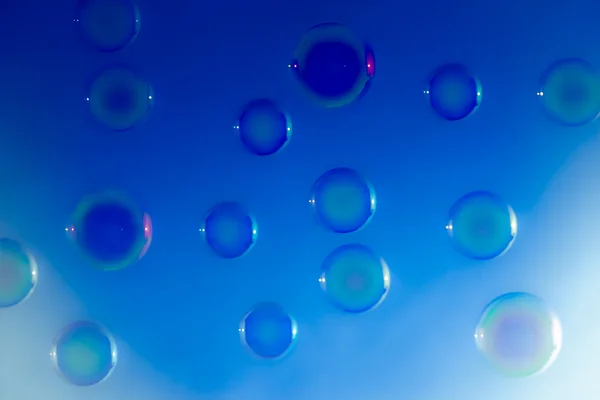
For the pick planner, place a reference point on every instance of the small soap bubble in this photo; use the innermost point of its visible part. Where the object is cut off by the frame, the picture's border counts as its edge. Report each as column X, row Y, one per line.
column 264, row 128
column 333, row 65
column 453, row 92
column 570, row 92
column 268, row 331
column 354, row 278
column 230, row 231
column 519, row 334
column 343, row 200
column 120, row 99
column 84, row 353
column 110, row 230
column 482, row 226
column 18, row 273
column 108, row 25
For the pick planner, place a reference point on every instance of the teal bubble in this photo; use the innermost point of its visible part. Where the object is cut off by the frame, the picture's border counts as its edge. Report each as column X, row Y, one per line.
column 343, row 200
column 229, row 230
column 110, row 230
column 519, row 334
column 108, row 25
column 453, row 92
column 264, row 128
column 268, row 331
column 482, row 226
column 84, row 353
column 120, row 99
column 570, row 92
column 354, row 278
column 18, row 273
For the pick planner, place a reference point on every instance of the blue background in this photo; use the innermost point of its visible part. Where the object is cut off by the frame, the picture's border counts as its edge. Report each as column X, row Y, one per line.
column 177, row 312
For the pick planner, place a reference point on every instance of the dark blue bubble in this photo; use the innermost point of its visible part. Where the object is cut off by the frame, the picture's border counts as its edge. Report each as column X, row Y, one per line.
column 453, row 92
column 264, row 128
column 268, row 330
column 229, row 230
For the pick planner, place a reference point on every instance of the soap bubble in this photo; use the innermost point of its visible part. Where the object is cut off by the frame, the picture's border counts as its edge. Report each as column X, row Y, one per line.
column 268, row 330
column 229, row 230
column 264, row 127
column 18, row 273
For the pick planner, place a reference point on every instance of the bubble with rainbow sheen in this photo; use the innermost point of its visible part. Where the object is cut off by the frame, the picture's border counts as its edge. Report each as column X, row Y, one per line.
column 108, row 25
column 84, row 353
column 333, row 65
column 453, row 92
column 264, row 127
column 229, row 230
column 519, row 334
column 354, row 278
column 268, row 330
column 343, row 200
column 570, row 92
column 18, row 273
column 482, row 226
column 110, row 230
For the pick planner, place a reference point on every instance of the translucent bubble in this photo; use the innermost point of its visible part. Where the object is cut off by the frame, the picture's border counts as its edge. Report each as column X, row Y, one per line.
column 120, row 99
column 570, row 92
column 229, row 230
column 108, row 25
column 18, row 273
column 519, row 334
column 268, row 330
column 333, row 65
column 354, row 278
column 84, row 353
column 343, row 200
column 482, row 226
column 264, row 127
column 110, row 230
column 453, row 92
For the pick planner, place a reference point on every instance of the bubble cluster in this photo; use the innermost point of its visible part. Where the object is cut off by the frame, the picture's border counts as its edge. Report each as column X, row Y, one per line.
column 268, row 330
column 519, row 334
column 18, row 273
column 84, row 353
column 230, row 231
column 343, row 200
column 354, row 278
column 264, row 128
column 482, row 225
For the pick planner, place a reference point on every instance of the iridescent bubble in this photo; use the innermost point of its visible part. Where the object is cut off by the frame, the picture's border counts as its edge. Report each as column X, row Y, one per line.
column 268, row 330
column 570, row 92
column 453, row 92
column 84, row 353
column 333, row 64
column 108, row 25
column 264, row 127
column 482, row 225
column 18, row 273
column 519, row 334
column 230, row 231
column 343, row 200
column 354, row 278
column 110, row 230
column 120, row 99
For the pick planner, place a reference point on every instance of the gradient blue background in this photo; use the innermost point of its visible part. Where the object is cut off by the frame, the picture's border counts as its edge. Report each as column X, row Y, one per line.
column 176, row 313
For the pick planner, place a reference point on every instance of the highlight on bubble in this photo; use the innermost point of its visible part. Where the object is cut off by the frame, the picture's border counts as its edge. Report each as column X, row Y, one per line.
column 343, row 200
column 84, row 353
column 354, row 278
column 263, row 127
column 268, row 331
column 229, row 230
column 570, row 92
column 333, row 65
column 119, row 98
column 453, row 92
column 110, row 230
column 519, row 334
column 18, row 273
column 108, row 25
column 481, row 225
